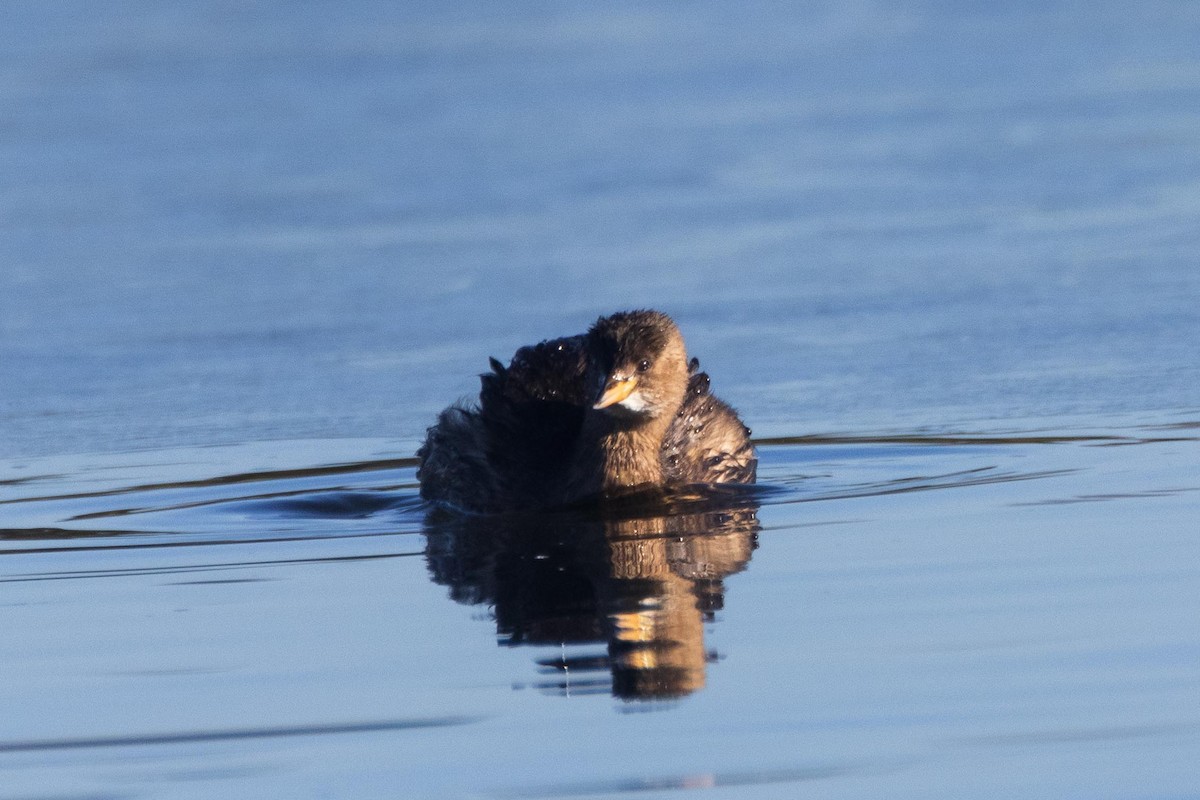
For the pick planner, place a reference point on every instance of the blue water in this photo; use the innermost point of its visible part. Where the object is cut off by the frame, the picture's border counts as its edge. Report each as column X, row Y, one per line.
column 940, row 256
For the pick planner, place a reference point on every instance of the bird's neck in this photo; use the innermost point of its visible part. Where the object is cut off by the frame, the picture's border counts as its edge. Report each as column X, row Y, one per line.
column 614, row 457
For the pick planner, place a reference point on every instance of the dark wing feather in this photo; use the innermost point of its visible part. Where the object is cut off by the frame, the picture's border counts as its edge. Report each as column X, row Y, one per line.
column 707, row 442
column 507, row 451
column 534, row 408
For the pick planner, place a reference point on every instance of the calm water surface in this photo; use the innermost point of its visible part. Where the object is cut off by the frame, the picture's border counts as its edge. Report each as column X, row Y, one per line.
column 941, row 256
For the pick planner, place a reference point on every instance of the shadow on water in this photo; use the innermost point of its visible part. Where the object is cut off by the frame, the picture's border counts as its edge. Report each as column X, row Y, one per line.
column 642, row 581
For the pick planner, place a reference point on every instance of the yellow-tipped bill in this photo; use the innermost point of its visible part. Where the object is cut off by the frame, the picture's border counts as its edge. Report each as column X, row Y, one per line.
column 615, row 391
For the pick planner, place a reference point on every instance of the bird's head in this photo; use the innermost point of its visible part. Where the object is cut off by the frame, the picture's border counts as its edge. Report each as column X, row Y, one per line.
column 637, row 365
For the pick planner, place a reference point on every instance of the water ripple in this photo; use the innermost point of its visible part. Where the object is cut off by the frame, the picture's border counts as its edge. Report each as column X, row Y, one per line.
column 230, row 734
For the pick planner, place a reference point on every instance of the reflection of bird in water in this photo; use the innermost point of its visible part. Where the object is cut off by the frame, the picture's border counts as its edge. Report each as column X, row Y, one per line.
column 643, row 585
column 616, row 409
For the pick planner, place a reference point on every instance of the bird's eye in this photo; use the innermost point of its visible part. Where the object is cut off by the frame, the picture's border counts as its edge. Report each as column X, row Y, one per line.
column 643, row 365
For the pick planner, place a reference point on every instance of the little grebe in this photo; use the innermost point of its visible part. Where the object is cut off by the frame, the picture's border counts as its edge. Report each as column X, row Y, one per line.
column 619, row 408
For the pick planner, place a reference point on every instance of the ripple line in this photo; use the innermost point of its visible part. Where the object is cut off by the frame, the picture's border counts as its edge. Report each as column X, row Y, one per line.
column 226, row 480
column 230, row 734
column 188, row 568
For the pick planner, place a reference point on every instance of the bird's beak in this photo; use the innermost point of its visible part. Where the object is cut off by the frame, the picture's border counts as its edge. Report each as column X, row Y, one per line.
column 616, row 390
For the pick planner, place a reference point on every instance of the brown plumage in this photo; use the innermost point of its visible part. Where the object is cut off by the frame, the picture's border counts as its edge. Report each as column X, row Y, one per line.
column 615, row 410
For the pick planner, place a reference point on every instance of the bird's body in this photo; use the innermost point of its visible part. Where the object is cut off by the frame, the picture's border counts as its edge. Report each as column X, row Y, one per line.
column 615, row 410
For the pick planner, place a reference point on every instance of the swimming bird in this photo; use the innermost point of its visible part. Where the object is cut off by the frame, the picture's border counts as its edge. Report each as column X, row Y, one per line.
column 617, row 410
